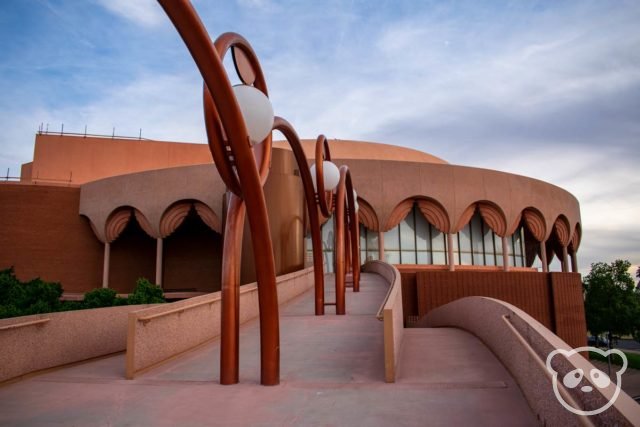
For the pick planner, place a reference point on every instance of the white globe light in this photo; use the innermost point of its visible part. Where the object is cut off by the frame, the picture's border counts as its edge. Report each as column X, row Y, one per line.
column 256, row 110
column 330, row 173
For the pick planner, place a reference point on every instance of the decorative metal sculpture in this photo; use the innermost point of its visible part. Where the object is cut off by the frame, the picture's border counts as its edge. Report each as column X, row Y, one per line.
column 242, row 160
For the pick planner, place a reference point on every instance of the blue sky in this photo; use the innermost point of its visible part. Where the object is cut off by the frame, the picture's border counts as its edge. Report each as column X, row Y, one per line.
column 548, row 89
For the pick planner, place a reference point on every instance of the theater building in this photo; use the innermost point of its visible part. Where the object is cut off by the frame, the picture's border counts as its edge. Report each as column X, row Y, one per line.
column 101, row 212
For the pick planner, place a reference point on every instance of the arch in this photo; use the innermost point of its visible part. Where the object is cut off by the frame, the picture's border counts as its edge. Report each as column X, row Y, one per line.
column 144, row 223
column 173, row 217
column 208, row 216
column 534, row 221
column 465, row 217
column 493, row 217
column 561, row 230
column 367, row 216
column 175, row 214
column 576, row 238
column 116, row 222
column 93, row 227
column 435, row 213
column 399, row 213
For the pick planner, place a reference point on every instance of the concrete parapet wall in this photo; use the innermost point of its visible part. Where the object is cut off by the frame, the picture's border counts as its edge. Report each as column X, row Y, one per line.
column 42, row 341
column 391, row 314
column 522, row 344
column 160, row 333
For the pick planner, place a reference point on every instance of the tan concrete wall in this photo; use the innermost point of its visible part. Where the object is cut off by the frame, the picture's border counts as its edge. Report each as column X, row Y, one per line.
column 32, row 343
column 522, row 344
column 160, row 333
column 384, row 184
column 392, row 316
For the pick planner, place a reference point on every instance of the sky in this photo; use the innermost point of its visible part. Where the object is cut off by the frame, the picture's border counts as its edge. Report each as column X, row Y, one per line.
column 546, row 89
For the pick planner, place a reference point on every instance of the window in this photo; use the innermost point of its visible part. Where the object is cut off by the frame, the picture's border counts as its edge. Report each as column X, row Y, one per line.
column 415, row 241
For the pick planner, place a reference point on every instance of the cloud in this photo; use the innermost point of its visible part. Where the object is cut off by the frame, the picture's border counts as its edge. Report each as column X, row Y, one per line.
column 146, row 13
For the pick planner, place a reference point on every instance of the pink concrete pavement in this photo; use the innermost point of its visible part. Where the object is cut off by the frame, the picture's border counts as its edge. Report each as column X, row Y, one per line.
column 332, row 373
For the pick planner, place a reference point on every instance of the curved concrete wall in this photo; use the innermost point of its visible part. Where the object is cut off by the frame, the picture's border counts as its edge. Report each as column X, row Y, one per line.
column 522, row 344
column 386, row 184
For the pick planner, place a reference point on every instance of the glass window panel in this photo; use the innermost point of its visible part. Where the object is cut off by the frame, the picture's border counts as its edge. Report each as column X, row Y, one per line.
column 407, row 233
column 408, row 257
column 518, row 241
column 464, row 239
column 489, row 252
column 424, row 258
column 392, row 239
column 392, row 257
column 363, row 257
column 476, row 234
column 373, row 255
column 372, row 240
column 437, row 240
column 422, row 232
column 363, row 237
column 439, row 258
column 465, row 258
column 328, row 261
column 327, row 235
column 497, row 240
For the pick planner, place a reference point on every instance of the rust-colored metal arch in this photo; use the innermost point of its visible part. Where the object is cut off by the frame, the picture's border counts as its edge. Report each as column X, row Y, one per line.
column 244, row 171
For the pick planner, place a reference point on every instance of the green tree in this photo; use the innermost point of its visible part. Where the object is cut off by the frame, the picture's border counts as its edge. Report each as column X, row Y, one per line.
column 612, row 303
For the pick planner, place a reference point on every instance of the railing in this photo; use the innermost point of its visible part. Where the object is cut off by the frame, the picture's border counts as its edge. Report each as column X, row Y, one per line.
column 161, row 333
column 523, row 344
column 391, row 313
column 24, row 324
column 33, row 343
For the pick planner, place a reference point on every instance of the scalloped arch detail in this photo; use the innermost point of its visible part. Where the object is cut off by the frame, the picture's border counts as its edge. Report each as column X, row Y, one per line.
column 535, row 223
column 117, row 222
column 367, row 216
column 399, row 213
column 493, row 217
column 576, row 238
column 561, row 228
column 173, row 217
column 208, row 216
column 465, row 217
column 434, row 214
column 144, row 223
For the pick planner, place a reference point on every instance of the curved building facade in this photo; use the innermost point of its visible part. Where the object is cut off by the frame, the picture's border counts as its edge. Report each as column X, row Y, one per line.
column 101, row 212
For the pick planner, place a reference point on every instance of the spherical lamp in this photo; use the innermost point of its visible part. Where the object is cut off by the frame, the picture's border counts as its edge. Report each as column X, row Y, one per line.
column 330, row 174
column 256, row 110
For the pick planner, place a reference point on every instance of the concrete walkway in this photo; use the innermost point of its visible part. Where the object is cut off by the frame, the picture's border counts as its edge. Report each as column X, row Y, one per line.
column 332, row 373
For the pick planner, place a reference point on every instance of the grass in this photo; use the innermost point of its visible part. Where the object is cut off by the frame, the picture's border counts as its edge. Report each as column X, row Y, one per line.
column 633, row 359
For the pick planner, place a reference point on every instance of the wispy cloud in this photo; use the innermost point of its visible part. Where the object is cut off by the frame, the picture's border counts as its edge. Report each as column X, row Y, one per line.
column 548, row 90
column 146, row 13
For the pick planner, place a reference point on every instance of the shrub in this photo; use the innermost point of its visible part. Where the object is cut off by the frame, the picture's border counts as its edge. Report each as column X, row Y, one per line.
column 24, row 298
column 101, row 297
column 146, row 293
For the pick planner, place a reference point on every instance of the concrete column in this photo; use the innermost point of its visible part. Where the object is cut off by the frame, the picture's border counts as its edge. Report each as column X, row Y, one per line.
column 543, row 257
column 505, row 254
column 159, row 242
column 452, row 262
column 565, row 256
column 381, row 245
column 574, row 262
column 105, row 265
